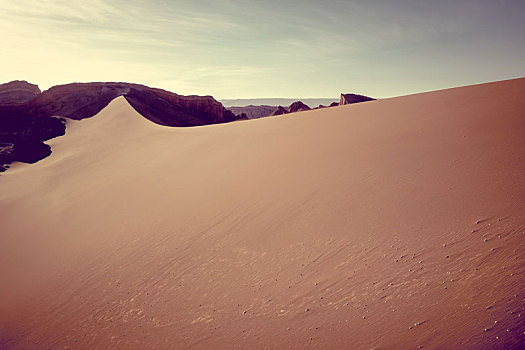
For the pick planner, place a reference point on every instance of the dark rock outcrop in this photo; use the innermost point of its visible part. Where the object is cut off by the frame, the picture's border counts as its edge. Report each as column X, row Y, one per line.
column 347, row 99
column 242, row 116
column 279, row 111
column 28, row 117
column 7, row 151
column 297, row 106
column 22, row 134
column 18, row 92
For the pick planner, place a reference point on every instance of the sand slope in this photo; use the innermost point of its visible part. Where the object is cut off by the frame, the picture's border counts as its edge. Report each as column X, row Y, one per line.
column 389, row 224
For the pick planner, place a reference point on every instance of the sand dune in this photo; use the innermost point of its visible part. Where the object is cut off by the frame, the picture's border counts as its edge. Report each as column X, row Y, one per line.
column 397, row 223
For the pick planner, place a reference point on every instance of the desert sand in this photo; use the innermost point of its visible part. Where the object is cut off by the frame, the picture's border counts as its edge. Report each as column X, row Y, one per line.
column 391, row 224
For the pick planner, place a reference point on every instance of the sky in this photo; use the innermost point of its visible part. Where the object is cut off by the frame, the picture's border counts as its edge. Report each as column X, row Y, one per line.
column 264, row 48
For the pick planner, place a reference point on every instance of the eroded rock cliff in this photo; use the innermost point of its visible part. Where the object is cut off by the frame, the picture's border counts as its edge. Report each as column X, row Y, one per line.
column 18, row 92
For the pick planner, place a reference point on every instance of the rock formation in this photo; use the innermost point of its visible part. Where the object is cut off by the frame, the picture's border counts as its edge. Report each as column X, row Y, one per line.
column 297, row 106
column 347, row 99
column 279, row 111
column 18, row 92
column 254, row 112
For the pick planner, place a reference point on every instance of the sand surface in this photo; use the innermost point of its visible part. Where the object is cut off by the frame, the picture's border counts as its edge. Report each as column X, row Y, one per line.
column 390, row 224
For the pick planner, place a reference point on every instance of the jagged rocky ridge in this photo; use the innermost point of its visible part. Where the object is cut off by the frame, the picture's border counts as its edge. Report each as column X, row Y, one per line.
column 254, row 112
column 28, row 117
column 297, row 106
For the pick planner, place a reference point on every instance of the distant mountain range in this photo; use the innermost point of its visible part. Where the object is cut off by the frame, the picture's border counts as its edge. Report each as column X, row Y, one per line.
column 253, row 111
column 242, row 102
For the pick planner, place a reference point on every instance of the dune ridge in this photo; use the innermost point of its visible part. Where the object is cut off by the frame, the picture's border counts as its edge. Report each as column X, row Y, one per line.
column 29, row 117
column 397, row 223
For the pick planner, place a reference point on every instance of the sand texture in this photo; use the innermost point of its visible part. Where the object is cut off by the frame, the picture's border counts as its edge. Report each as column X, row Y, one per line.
column 392, row 224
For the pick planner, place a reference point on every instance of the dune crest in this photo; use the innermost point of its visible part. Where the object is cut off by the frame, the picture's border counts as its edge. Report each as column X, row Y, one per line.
column 29, row 117
column 393, row 224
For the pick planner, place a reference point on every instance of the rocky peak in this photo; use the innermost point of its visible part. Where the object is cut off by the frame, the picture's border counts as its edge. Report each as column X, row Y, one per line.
column 297, row 107
column 279, row 111
column 18, row 92
column 353, row 98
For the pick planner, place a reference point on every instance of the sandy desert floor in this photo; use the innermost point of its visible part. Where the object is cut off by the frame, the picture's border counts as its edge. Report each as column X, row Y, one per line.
column 392, row 224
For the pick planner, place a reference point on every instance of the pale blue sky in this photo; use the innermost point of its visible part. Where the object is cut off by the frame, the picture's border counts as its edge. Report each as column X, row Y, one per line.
column 250, row 48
